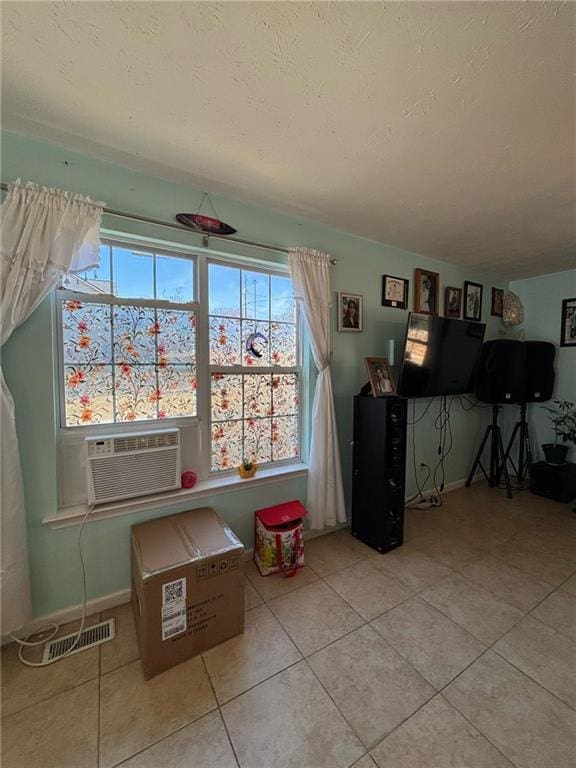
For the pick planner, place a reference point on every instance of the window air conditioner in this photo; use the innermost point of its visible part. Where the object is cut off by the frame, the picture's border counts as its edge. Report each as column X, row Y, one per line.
column 132, row 464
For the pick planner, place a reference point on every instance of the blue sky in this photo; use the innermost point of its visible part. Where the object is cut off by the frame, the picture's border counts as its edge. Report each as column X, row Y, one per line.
column 133, row 276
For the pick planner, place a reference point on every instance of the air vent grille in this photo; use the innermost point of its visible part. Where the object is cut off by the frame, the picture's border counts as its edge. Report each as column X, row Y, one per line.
column 91, row 636
column 145, row 442
column 134, row 474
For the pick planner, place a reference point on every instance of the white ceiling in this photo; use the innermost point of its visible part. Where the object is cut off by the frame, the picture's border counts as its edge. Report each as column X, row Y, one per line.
column 444, row 128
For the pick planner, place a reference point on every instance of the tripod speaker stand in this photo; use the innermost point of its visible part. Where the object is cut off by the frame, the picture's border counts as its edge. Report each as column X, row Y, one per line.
column 498, row 457
column 524, row 465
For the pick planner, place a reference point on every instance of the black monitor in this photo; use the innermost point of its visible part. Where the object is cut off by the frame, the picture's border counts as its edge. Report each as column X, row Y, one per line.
column 440, row 356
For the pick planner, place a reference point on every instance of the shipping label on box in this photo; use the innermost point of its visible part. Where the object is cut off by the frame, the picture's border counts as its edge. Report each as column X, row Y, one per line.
column 173, row 609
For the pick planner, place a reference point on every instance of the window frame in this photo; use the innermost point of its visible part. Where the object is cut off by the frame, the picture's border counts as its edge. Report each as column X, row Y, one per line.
column 253, row 369
column 202, row 422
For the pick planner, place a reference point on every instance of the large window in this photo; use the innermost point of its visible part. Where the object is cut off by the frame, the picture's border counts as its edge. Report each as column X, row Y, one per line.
column 139, row 344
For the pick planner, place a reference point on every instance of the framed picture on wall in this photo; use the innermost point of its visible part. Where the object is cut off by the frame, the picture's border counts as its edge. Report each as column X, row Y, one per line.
column 380, row 375
column 472, row 300
column 426, row 287
column 350, row 310
column 497, row 302
column 394, row 292
column 452, row 301
column 568, row 335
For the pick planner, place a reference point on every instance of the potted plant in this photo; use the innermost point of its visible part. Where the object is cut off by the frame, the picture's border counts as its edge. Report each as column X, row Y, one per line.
column 562, row 414
column 247, row 469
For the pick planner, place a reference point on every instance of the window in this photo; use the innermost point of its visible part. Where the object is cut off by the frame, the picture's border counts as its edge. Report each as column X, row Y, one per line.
column 139, row 344
column 254, row 379
column 128, row 343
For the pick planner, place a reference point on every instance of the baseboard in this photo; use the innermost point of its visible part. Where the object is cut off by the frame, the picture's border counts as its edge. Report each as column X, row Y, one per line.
column 451, row 486
column 73, row 612
column 99, row 604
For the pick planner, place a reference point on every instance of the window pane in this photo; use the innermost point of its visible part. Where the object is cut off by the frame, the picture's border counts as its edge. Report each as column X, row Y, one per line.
column 285, row 394
column 257, row 395
column 226, row 396
column 257, row 436
column 135, row 332
column 133, row 273
column 226, row 445
column 88, row 394
column 86, row 332
column 137, row 394
column 224, row 290
column 176, row 337
column 174, row 279
column 282, row 304
column 177, row 391
column 283, row 344
column 224, row 341
column 285, row 438
column 95, row 280
column 256, row 295
column 255, row 343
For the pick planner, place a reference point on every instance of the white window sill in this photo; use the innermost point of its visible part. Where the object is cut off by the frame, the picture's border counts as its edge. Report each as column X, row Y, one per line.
column 69, row 516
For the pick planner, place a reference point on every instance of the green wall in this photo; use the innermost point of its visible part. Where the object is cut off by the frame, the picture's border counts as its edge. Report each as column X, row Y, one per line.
column 28, row 359
column 542, row 299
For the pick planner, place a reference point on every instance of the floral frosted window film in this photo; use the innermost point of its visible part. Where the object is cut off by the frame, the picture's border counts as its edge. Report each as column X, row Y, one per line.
column 254, row 417
column 127, row 363
column 224, row 341
column 124, row 361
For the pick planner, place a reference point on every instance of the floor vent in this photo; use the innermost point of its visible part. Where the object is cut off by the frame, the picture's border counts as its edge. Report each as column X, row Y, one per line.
column 91, row 636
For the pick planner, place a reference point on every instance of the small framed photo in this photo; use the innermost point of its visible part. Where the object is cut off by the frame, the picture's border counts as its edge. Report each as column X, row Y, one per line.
column 452, row 301
column 497, row 302
column 568, row 335
column 394, row 292
column 472, row 300
column 380, row 375
column 426, row 286
column 350, row 310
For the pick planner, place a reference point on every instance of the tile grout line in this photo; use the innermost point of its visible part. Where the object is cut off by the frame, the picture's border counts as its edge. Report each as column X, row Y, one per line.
column 322, row 648
column 163, row 738
column 437, row 691
column 526, row 674
column 220, row 713
column 490, row 648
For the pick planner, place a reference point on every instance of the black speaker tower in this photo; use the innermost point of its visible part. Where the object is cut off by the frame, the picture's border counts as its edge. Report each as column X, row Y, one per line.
column 379, row 469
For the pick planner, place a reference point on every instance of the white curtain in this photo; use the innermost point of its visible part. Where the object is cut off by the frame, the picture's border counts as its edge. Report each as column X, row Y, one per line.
column 310, row 272
column 45, row 233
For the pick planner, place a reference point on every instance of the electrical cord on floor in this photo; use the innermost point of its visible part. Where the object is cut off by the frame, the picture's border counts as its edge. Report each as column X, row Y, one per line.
column 55, row 627
column 419, row 505
column 443, row 424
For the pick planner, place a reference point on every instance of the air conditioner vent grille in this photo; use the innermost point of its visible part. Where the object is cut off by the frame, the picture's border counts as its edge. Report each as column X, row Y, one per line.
column 134, row 474
column 145, row 442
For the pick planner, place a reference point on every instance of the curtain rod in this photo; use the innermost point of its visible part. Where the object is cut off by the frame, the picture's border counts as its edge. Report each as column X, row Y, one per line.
column 175, row 225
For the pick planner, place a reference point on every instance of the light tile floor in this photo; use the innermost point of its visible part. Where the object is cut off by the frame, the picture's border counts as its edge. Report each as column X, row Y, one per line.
column 457, row 650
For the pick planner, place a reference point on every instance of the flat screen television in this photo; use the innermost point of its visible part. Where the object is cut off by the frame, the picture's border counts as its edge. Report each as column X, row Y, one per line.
column 440, row 356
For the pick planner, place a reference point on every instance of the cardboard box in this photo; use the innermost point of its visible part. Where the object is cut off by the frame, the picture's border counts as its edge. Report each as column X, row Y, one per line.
column 187, row 587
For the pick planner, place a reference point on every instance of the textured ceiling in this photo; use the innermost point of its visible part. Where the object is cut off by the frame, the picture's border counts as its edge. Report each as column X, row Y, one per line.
column 444, row 128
